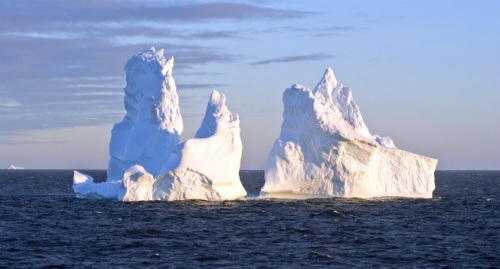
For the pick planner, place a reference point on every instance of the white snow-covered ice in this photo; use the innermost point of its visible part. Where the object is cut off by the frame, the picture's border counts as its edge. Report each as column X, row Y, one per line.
column 213, row 157
column 146, row 160
column 14, row 167
column 326, row 150
column 153, row 123
column 85, row 187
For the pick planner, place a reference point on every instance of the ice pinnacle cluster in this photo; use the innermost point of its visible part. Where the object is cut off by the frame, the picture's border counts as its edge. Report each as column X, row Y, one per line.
column 326, row 150
column 146, row 160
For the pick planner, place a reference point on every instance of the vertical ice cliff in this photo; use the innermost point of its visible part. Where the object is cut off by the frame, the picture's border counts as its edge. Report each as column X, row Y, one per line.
column 153, row 123
column 326, row 150
column 207, row 166
column 143, row 140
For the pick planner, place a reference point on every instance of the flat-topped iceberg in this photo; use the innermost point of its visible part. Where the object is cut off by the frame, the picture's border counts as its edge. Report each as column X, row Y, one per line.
column 146, row 160
column 326, row 150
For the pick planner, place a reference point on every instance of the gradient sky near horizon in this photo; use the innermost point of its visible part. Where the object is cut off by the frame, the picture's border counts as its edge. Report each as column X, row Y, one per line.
column 425, row 73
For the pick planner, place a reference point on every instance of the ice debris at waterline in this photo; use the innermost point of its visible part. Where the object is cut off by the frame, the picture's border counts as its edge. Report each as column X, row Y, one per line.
column 146, row 160
column 326, row 150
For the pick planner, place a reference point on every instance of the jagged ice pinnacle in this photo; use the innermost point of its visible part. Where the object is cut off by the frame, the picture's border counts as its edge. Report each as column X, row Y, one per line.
column 153, row 123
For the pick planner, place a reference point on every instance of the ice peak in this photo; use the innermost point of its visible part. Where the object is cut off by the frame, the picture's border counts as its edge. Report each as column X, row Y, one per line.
column 150, row 74
column 149, row 55
column 329, row 77
column 327, row 83
column 217, row 107
column 217, row 117
column 156, row 60
column 217, row 98
column 159, row 53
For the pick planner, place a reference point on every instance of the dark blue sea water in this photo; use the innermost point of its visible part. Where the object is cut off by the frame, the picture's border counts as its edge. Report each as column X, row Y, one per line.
column 42, row 225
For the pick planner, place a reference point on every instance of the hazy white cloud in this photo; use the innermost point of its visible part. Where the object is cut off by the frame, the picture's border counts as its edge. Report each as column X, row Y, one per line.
column 7, row 103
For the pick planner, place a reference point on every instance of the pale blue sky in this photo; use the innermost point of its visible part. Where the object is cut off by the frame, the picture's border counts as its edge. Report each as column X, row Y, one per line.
column 425, row 73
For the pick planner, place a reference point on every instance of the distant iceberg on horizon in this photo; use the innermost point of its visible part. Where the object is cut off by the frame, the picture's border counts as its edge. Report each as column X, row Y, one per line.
column 146, row 160
column 14, row 167
column 326, row 150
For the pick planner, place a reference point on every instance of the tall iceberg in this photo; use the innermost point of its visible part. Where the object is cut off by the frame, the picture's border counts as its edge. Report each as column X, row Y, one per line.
column 146, row 160
column 153, row 123
column 326, row 150
column 211, row 158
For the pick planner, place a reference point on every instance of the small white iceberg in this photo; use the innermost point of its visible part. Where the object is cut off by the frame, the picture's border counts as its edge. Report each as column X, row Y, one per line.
column 14, row 167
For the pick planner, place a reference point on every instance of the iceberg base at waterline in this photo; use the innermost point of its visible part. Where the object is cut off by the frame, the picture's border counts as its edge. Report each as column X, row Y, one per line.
column 85, row 187
column 359, row 170
column 139, row 185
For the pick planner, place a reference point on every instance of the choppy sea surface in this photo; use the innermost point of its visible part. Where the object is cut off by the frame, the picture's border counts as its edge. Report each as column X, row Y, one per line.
column 42, row 225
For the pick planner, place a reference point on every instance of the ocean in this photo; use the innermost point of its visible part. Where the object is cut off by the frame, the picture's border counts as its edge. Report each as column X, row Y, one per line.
column 42, row 225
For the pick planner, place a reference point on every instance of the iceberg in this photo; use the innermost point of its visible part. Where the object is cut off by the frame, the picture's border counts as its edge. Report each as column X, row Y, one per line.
column 212, row 158
column 14, row 167
column 146, row 160
column 153, row 123
column 326, row 150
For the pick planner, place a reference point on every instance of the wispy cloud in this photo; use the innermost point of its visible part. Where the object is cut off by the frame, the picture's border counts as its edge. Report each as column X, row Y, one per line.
column 61, row 58
column 19, row 139
column 49, row 58
column 321, row 31
column 335, row 30
column 8, row 103
column 199, row 86
column 52, row 14
column 295, row 58
column 213, row 34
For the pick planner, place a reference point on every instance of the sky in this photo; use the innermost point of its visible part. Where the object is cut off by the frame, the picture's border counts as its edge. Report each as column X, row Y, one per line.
column 425, row 73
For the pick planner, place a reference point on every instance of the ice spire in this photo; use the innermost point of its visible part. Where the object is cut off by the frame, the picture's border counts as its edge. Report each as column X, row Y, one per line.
column 327, row 83
column 217, row 116
column 153, row 122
